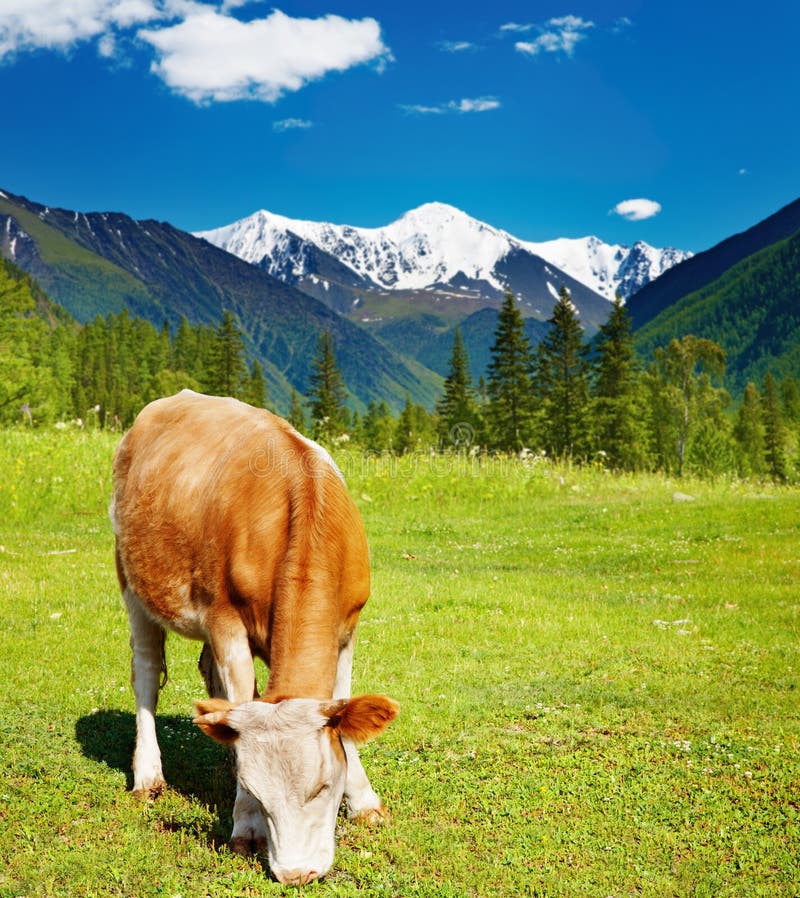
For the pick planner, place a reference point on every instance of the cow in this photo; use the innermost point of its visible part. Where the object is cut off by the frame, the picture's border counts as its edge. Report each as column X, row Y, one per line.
column 234, row 529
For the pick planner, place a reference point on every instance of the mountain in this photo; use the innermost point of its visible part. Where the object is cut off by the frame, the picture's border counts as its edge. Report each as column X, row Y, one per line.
column 607, row 268
column 701, row 270
column 752, row 311
column 438, row 260
column 97, row 263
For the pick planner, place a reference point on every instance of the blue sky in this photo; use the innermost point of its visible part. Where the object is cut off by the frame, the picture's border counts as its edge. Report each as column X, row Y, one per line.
column 538, row 117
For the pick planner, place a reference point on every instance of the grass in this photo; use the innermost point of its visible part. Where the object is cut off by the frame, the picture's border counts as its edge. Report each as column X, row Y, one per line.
column 599, row 689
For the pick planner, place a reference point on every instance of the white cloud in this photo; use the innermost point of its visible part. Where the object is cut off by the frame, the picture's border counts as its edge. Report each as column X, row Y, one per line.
column 289, row 124
column 515, row 27
column 637, row 210
column 456, row 46
column 202, row 51
column 58, row 25
column 478, row 104
column 107, row 46
column 743, row 171
column 209, row 56
column 559, row 34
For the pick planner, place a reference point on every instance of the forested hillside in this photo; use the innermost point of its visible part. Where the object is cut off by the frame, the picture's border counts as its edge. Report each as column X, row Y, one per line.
column 701, row 270
column 101, row 373
column 753, row 311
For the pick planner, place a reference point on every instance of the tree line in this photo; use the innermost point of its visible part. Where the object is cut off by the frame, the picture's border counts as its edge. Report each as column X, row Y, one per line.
column 566, row 398
column 589, row 402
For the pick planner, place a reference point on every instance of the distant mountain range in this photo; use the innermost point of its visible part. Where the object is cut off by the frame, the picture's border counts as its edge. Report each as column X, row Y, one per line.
column 393, row 296
column 97, row 263
column 458, row 261
column 413, row 281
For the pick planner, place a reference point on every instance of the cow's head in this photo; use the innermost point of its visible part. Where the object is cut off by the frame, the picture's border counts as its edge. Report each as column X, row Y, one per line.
column 290, row 757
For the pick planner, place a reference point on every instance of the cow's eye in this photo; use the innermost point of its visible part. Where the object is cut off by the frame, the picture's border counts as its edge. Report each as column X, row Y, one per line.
column 316, row 792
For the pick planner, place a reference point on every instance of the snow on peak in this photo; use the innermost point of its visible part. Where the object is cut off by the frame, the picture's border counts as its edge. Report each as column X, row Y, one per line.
column 608, row 268
column 432, row 244
column 427, row 245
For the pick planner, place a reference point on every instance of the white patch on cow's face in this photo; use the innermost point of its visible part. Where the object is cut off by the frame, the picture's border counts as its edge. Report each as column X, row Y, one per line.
column 293, row 764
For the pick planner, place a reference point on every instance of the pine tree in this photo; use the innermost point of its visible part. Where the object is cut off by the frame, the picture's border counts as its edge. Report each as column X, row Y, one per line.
column 748, row 432
column 415, row 429
column 562, row 381
column 297, row 416
column 509, row 406
column 327, row 394
column 459, row 418
column 255, row 391
column 790, row 400
column 228, row 368
column 617, row 406
column 183, row 352
column 378, row 427
column 774, row 430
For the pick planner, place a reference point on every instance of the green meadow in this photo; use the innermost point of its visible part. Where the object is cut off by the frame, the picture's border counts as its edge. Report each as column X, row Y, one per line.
column 598, row 679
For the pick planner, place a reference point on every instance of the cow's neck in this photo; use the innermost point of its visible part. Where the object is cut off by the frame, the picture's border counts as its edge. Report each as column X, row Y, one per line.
column 304, row 649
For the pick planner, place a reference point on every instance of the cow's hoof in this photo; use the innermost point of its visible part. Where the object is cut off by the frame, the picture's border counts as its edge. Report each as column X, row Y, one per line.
column 247, row 845
column 148, row 793
column 372, row 816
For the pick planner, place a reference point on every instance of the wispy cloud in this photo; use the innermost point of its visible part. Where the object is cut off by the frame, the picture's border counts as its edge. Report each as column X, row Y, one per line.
column 557, row 35
column 292, row 124
column 516, row 27
column 456, row 46
column 202, row 51
column 477, row 104
column 743, row 171
column 621, row 24
column 636, row 210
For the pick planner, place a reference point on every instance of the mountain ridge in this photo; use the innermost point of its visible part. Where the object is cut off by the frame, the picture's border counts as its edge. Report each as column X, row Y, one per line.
column 437, row 245
column 702, row 269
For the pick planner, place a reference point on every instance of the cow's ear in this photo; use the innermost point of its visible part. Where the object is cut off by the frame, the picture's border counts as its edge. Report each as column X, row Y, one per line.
column 363, row 717
column 214, row 719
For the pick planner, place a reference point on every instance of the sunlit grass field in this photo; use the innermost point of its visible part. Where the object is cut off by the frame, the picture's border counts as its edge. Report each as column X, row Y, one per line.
column 598, row 677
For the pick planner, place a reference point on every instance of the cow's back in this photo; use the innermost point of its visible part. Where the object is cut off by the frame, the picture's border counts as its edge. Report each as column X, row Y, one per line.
column 222, row 509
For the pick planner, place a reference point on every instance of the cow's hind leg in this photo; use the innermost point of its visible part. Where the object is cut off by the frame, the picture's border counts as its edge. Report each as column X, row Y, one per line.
column 208, row 668
column 362, row 802
column 147, row 669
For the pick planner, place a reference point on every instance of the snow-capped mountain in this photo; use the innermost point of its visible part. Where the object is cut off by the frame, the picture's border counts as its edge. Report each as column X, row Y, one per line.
column 428, row 245
column 438, row 248
column 609, row 268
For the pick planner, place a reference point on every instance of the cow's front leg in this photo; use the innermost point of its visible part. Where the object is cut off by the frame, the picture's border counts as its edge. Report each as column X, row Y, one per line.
column 227, row 667
column 363, row 804
column 147, row 667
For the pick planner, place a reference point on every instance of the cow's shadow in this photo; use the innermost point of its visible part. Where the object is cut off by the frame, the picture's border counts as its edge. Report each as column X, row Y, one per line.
column 194, row 766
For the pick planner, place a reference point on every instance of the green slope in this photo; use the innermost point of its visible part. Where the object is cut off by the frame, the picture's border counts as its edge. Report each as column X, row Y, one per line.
column 752, row 311
column 84, row 282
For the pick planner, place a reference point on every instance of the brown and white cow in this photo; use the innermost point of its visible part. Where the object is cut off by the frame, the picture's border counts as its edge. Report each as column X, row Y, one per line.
column 233, row 529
